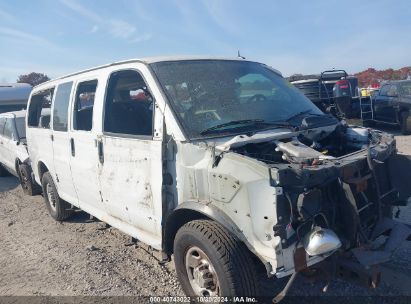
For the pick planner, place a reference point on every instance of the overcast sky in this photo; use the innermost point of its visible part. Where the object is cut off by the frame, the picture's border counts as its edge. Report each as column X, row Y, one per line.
column 61, row 36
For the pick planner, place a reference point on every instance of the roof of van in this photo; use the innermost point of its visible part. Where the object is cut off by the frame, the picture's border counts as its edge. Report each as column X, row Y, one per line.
column 149, row 60
column 15, row 92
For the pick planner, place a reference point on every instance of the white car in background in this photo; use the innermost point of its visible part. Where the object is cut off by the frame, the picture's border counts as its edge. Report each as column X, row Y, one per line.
column 14, row 157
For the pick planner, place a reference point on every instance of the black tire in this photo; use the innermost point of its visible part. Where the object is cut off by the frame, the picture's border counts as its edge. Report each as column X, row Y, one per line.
column 29, row 186
column 405, row 123
column 59, row 209
column 3, row 171
column 229, row 258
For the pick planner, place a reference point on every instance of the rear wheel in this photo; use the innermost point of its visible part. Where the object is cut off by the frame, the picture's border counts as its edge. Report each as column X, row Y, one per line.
column 30, row 187
column 210, row 262
column 59, row 209
column 405, row 123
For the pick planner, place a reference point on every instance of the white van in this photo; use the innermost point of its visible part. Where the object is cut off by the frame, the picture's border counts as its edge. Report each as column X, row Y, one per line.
column 220, row 162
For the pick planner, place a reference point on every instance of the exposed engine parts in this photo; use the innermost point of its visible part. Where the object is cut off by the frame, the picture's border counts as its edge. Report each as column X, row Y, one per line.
column 311, row 149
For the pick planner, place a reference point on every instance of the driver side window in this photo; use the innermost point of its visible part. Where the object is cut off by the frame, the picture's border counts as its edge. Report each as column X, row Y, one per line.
column 128, row 106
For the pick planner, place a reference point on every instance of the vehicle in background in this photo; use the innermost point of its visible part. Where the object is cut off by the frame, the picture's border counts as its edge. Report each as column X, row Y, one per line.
column 370, row 90
column 332, row 91
column 14, row 158
column 391, row 105
column 220, row 162
column 14, row 96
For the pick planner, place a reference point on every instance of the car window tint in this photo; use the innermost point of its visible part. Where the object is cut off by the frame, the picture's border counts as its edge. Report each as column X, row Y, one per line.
column 21, row 127
column 61, row 104
column 8, row 128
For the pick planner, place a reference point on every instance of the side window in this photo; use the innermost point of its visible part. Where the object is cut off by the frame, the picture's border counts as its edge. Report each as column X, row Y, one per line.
column 392, row 92
column 8, row 128
column 384, row 90
column 61, row 104
column 83, row 107
column 39, row 109
column 2, row 122
column 406, row 89
column 128, row 106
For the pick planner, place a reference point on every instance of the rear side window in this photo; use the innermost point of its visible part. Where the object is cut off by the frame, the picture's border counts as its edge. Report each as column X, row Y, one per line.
column 61, row 104
column 2, row 122
column 39, row 109
column 8, row 128
column 83, row 107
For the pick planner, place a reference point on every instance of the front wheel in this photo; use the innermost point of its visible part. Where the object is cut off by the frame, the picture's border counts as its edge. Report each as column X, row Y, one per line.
column 59, row 209
column 211, row 262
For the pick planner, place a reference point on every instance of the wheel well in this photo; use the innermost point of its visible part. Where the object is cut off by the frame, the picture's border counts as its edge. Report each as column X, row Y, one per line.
column 174, row 222
column 17, row 163
column 42, row 169
column 182, row 216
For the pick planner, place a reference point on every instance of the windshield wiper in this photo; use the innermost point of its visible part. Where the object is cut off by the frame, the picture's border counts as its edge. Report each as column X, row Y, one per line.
column 246, row 122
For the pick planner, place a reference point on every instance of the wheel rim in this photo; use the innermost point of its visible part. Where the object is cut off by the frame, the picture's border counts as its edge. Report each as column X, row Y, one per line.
column 24, row 179
column 201, row 273
column 50, row 196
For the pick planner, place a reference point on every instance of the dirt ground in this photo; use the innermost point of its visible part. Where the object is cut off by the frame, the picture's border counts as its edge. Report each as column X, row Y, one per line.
column 39, row 256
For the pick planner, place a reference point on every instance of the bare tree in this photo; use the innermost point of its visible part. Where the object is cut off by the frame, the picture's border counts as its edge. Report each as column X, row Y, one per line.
column 33, row 78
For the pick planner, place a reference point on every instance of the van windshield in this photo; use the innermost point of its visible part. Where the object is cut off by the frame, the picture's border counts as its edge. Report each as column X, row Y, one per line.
column 223, row 97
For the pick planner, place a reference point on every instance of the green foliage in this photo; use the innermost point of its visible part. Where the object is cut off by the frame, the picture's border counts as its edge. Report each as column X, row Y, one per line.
column 33, row 78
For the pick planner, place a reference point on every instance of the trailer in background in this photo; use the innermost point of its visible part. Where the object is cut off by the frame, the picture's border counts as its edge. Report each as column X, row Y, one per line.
column 14, row 96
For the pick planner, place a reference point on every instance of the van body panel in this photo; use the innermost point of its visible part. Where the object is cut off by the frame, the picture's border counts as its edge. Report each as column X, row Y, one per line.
column 83, row 149
column 131, row 181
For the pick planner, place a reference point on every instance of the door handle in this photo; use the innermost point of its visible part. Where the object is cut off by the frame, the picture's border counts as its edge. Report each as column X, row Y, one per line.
column 100, row 151
column 73, row 148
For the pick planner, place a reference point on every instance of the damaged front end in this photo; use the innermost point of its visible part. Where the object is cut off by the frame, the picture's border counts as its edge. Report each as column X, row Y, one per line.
column 337, row 200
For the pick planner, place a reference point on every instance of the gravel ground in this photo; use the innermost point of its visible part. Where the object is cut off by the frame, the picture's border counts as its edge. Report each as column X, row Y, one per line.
column 41, row 257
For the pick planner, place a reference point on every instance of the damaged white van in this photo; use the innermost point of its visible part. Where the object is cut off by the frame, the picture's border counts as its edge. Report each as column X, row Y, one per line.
column 219, row 162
